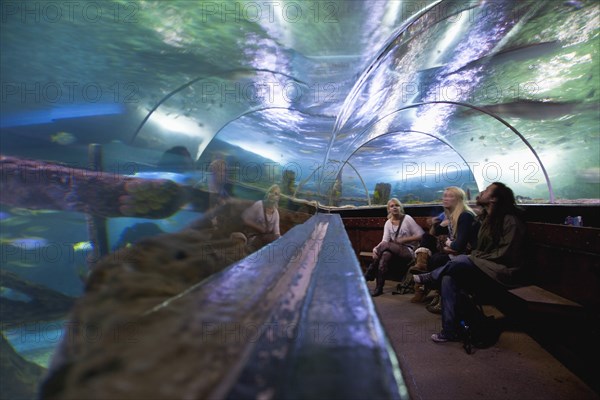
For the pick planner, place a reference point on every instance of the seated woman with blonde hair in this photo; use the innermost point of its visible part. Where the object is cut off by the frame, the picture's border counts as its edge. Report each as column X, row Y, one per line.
column 401, row 235
column 262, row 220
column 461, row 228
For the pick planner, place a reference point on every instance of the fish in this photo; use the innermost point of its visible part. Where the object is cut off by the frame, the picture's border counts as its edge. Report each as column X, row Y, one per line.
column 63, row 138
column 514, row 54
column 589, row 175
column 35, row 229
column 14, row 221
column 27, row 243
column 528, row 109
column 14, row 295
column 577, row 5
column 21, row 211
column 23, row 263
column 28, row 211
column 83, row 246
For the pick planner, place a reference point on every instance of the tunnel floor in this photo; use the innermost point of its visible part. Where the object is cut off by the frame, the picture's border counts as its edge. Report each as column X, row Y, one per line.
column 517, row 367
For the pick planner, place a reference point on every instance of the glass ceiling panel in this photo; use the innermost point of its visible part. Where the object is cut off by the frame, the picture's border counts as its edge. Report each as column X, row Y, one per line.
column 515, row 61
column 303, row 83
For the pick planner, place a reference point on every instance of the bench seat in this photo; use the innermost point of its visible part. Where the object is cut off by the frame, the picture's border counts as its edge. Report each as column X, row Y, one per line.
column 536, row 294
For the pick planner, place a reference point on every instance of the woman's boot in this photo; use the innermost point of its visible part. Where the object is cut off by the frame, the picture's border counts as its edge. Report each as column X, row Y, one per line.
column 371, row 271
column 420, row 294
column 379, row 286
column 422, row 256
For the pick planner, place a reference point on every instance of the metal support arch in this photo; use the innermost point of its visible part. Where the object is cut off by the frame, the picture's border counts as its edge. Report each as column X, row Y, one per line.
column 456, row 103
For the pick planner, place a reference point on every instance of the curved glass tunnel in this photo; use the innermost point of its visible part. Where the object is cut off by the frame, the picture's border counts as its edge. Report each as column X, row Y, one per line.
column 326, row 99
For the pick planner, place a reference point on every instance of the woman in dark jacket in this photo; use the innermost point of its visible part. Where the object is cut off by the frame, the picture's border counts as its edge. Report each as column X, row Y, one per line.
column 461, row 227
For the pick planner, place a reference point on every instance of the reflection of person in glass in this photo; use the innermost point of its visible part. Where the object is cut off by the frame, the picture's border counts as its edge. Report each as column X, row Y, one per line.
column 262, row 220
column 176, row 159
column 218, row 187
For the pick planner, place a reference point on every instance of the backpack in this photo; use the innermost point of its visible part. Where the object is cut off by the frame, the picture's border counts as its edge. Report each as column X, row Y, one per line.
column 477, row 329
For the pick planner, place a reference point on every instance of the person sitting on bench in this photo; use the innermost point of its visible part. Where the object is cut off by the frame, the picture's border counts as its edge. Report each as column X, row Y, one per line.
column 459, row 224
column 401, row 235
column 498, row 258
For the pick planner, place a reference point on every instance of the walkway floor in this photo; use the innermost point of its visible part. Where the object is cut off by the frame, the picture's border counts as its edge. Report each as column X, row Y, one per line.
column 517, row 367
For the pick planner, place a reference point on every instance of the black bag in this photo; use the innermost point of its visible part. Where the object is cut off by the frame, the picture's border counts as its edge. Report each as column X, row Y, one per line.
column 406, row 286
column 477, row 329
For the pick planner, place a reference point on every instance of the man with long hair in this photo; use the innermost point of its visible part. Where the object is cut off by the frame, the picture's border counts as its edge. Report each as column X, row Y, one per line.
column 497, row 258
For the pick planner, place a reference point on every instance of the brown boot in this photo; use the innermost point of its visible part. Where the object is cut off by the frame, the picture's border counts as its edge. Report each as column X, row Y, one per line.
column 422, row 255
column 420, row 294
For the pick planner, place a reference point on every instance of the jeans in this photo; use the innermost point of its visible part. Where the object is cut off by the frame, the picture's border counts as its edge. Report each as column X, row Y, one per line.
column 457, row 276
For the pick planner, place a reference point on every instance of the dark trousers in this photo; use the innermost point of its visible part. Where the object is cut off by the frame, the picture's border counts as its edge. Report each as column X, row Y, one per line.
column 388, row 254
column 458, row 278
